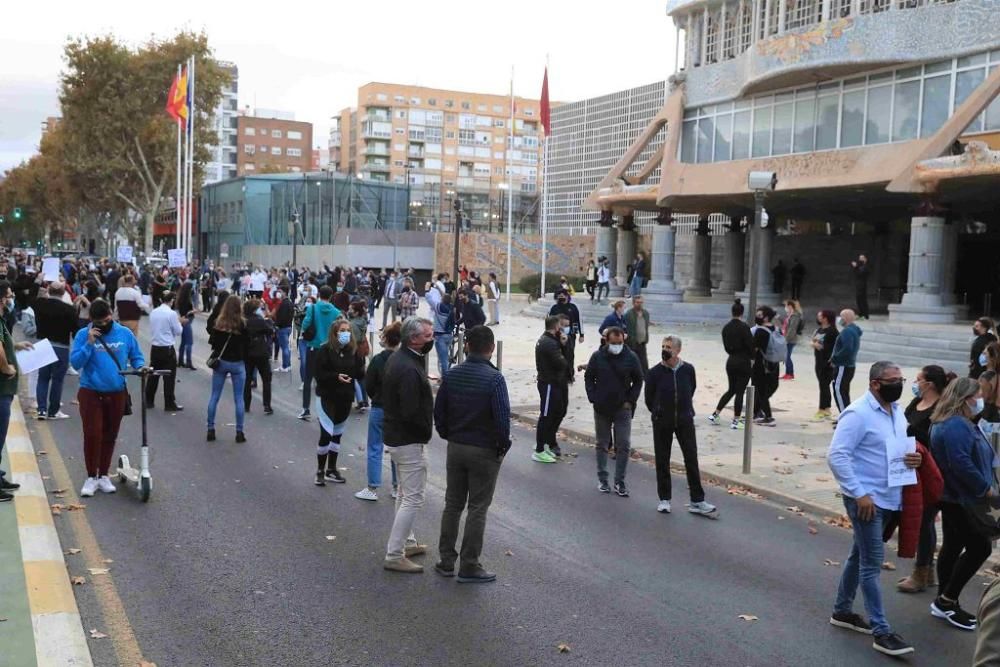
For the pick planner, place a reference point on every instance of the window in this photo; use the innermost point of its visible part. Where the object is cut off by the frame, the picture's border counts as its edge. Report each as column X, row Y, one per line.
column 905, row 110
column 745, row 18
column 249, row 131
column 432, row 102
column 434, row 134
column 414, row 100
column 294, row 135
column 741, row 135
column 275, row 134
column 805, row 123
column 275, row 150
column 400, row 99
column 401, row 114
column 263, row 149
column 382, row 97
column 498, row 108
column 400, row 130
column 450, row 134
column 877, row 117
column 293, row 152
column 466, row 136
column 937, row 91
column 729, row 33
column 826, row 121
column 801, row 13
column 761, row 132
column 781, row 143
column 249, row 149
column 448, row 104
column 432, row 163
column 483, row 138
column 723, row 138
column 498, row 122
column 706, row 133
column 852, row 119
column 528, row 111
column 466, row 106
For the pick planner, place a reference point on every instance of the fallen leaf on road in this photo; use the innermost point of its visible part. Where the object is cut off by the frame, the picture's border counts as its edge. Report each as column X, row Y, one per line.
column 509, row 553
column 57, row 492
column 78, row 581
column 831, row 562
column 813, row 530
column 822, row 478
column 57, row 508
column 794, row 508
column 146, row 663
column 98, row 570
column 563, row 648
column 841, row 521
column 783, row 470
column 94, row 634
column 748, row 617
column 75, row 506
column 42, row 453
column 72, row 552
column 888, row 565
column 331, row 538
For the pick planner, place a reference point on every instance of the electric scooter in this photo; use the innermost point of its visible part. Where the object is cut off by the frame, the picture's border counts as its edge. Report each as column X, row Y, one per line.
column 140, row 476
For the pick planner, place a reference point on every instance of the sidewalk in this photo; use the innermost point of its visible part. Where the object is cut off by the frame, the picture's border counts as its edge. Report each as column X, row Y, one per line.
column 39, row 620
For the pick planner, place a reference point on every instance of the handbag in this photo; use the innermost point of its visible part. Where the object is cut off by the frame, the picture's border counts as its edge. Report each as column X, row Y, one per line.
column 984, row 513
column 213, row 361
column 128, row 397
column 310, row 331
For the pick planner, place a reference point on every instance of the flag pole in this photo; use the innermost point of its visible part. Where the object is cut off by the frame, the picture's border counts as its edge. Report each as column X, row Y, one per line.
column 545, row 177
column 178, row 186
column 190, row 164
column 510, row 184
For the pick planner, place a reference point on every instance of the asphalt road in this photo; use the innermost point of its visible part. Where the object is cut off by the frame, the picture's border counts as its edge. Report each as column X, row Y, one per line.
column 230, row 562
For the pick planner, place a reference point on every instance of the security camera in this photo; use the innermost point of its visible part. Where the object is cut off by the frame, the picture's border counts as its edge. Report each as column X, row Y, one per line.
column 762, row 180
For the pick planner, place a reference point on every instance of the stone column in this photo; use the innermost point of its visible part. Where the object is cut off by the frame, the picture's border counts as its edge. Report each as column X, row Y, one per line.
column 761, row 241
column 700, row 284
column 732, row 276
column 662, row 287
column 949, row 268
column 626, row 254
column 607, row 242
column 924, row 300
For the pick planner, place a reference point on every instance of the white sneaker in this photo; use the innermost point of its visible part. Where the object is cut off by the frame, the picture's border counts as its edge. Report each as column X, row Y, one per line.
column 89, row 487
column 72, row 371
column 279, row 369
column 59, row 415
column 701, row 508
column 664, row 507
column 302, row 386
column 713, row 419
column 366, row 494
column 105, row 485
column 395, row 493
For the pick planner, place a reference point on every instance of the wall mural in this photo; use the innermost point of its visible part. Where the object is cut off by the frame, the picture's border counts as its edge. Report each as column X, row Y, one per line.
column 792, row 47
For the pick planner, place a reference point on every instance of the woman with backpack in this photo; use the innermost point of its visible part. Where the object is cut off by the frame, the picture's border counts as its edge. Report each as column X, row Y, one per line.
column 338, row 365
column 791, row 327
column 260, row 339
column 766, row 361
column 228, row 340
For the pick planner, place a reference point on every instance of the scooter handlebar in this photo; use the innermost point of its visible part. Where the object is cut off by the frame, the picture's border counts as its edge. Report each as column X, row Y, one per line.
column 144, row 371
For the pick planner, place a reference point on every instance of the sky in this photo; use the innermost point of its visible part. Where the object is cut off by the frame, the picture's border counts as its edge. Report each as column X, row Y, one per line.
column 310, row 57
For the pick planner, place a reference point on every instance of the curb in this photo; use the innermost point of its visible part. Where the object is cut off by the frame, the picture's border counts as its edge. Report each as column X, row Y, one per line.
column 55, row 617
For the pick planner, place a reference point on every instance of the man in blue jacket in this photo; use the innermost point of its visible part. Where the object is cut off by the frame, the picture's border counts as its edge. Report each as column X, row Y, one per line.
column 100, row 351
column 845, row 355
column 318, row 316
column 613, row 380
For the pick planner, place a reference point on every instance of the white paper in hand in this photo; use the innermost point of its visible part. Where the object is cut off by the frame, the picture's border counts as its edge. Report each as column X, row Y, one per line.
column 50, row 269
column 42, row 355
column 176, row 258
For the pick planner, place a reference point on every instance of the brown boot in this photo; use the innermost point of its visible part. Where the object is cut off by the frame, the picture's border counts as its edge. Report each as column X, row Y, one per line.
column 916, row 582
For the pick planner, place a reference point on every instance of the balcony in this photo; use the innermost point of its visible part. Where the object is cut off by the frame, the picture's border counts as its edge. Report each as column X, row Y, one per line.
column 378, row 115
column 376, row 167
column 376, row 148
column 376, row 130
column 415, row 151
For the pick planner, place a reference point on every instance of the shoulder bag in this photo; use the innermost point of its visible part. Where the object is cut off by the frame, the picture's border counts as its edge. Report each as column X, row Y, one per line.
column 128, row 396
column 309, row 332
column 213, row 361
column 984, row 513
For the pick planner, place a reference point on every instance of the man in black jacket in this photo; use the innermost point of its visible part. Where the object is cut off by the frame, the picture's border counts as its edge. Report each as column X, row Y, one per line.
column 283, row 315
column 470, row 313
column 408, row 408
column 983, row 329
column 55, row 320
column 472, row 412
column 613, row 380
column 860, row 269
column 260, row 340
column 670, row 387
column 563, row 306
column 553, row 390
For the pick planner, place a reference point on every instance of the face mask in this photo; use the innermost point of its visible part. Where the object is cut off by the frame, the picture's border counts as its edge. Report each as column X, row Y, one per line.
column 339, row 288
column 978, row 407
column 983, row 359
column 104, row 328
column 890, row 392
column 667, row 355
column 916, row 389
column 427, row 347
column 10, row 305
column 565, row 331
column 616, row 348
column 759, row 320
column 344, row 337
column 840, row 322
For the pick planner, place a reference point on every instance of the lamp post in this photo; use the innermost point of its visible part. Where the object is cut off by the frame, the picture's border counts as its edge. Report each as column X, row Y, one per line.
column 293, row 229
column 458, row 232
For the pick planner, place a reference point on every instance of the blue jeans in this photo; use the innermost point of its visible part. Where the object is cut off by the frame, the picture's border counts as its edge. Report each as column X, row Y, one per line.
column 789, row 364
column 286, row 352
column 864, row 567
column 187, row 346
column 238, row 371
column 442, row 345
column 303, row 354
column 375, row 449
column 5, row 402
column 635, row 287
column 50, row 382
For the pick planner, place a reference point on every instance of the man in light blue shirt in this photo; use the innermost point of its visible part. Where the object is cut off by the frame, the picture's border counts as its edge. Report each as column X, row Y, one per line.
column 858, row 458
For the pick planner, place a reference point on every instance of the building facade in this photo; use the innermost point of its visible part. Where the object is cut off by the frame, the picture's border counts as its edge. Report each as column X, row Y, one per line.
column 267, row 144
column 447, row 146
column 222, row 164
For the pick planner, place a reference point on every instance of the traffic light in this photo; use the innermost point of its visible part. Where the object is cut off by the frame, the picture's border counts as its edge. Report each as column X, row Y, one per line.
column 17, row 213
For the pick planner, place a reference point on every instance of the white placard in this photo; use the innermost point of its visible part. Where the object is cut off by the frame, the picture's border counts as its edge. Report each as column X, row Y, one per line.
column 148, row 300
column 895, row 451
column 50, row 269
column 125, row 254
column 29, row 361
column 176, row 257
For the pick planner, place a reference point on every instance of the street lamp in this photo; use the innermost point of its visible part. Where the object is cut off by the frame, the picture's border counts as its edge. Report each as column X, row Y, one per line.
column 293, row 230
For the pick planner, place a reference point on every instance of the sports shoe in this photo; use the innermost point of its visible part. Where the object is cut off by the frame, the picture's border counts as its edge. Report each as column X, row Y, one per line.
column 6, row 497
column 279, row 369
column 621, row 489
column 543, row 457
column 302, row 385
column 366, row 493
column 105, row 485
column 40, row 416
column 736, row 425
column 240, row 436
column 766, row 421
column 476, row 576
column 333, row 475
column 412, row 550
column 72, row 371
column 6, row 485
column 787, row 376
column 444, row 570
column 554, row 451
column 603, row 487
column 395, row 492
column 713, row 419
column 269, row 411
column 320, row 479
column 174, row 408
column 402, row 565
column 210, row 435
column 89, row 487
column 953, row 613
column 821, row 416
column 663, row 506
column 59, row 415
column 891, row 644
column 850, row 621
column 702, row 508
column 303, row 415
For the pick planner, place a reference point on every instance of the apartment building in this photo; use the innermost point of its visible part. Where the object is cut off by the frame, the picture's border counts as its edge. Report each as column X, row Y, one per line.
column 446, row 145
column 222, row 165
column 272, row 142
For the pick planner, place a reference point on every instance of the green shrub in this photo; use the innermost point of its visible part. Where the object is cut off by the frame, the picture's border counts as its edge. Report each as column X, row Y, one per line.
column 531, row 284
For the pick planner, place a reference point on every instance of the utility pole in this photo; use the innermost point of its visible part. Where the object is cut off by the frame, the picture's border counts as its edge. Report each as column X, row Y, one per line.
column 458, row 232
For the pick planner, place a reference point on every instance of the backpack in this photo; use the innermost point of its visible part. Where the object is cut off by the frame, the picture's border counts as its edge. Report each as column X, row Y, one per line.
column 777, row 348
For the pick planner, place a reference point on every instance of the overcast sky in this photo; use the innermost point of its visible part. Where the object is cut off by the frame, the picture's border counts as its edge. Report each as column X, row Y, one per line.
column 310, row 57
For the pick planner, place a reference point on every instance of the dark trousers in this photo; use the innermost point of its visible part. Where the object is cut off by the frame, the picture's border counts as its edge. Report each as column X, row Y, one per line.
column 738, row 372
column 842, row 376
column 263, row 366
column 590, row 285
column 602, row 287
column 861, row 295
column 162, row 358
column 765, row 382
column 570, row 354
column 640, row 351
column 307, row 380
column 963, row 551
column 554, row 401
column 663, row 440
column 472, row 476
column 824, row 375
column 796, row 288
column 101, row 416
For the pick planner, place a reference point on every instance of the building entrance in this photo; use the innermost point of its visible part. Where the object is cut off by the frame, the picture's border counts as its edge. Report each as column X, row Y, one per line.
column 978, row 280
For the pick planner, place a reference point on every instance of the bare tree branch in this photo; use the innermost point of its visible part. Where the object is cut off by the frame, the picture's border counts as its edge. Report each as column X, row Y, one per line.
column 128, row 201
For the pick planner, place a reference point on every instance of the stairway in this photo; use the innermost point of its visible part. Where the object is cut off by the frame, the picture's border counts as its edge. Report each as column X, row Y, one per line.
column 916, row 345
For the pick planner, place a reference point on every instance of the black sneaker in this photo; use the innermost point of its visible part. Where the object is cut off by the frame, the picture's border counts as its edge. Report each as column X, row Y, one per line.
column 174, row 408
column 603, row 487
column 268, row 411
column 621, row 490
column 304, row 415
column 444, row 570
column 333, row 475
column 476, row 576
column 240, row 436
column 953, row 613
column 320, row 480
column 556, row 451
column 8, row 486
column 6, row 497
column 210, row 436
column 891, row 644
column 850, row 621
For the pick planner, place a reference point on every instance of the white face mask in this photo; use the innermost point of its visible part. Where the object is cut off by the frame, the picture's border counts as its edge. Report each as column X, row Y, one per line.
column 978, row 407
column 616, row 348
column 565, row 330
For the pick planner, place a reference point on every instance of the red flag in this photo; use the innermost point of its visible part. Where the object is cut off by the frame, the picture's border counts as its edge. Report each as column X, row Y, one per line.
column 177, row 105
column 171, row 108
column 545, row 112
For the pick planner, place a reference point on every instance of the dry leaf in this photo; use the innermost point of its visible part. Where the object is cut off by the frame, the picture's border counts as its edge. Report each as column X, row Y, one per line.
column 108, row 560
column 813, row 530
column 748, row 617
column 72, row 552
column 331, row 538
column 94, row 634
column 57, row 508
column 98, row 570
column 42, row 453
column 75, row 506
column 78, row 581
column 146, row 663
column 563, row 648
column 831, row 562
column 888, row 565
column 509, row 553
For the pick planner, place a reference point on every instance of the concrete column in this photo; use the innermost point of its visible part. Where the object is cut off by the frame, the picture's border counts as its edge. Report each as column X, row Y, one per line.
column 626, row 254
column 950, row 255
column 607, row 246
column 662, row 288
column 700, row 284
column 924, row 300
column 761, row 241
column 732, row 277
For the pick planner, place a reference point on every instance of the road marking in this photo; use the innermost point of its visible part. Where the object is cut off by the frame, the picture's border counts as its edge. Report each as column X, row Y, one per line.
column 117, row 625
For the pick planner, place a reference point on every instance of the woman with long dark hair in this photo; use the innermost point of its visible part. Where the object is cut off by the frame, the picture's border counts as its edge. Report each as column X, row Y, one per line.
column 338, row 365
column 764, row 375
column 185, row 309
column 823, row 340
column 738, row 342
column 228, row 339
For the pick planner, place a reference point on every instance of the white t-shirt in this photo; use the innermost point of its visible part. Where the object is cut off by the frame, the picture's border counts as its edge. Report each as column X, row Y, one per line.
column 603, row 274
column 257, row 279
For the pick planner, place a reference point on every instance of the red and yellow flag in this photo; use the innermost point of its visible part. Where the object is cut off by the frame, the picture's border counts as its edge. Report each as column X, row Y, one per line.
column 177, row 98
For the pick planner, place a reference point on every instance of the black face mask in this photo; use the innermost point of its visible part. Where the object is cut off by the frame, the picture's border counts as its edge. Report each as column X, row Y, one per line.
column 667, row 355
column 104, row 328
column 890, row 392
column 427, row 347
column 759, row 320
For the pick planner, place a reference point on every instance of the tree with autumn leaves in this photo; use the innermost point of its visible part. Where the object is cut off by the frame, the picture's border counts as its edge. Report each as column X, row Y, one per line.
column 110, row 164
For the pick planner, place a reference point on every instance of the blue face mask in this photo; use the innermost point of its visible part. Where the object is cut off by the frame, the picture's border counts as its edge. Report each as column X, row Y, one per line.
column 344, row 337
column 983, row 359
column 916, row 389
column 978, row 407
